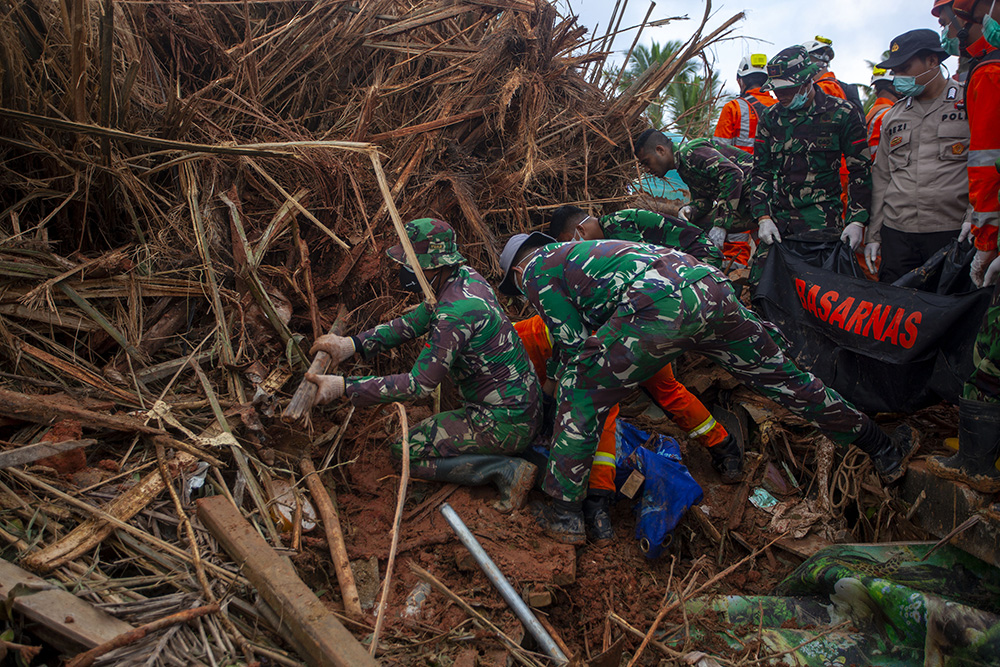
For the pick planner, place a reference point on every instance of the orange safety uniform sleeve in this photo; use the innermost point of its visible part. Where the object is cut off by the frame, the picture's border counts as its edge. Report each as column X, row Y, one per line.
column 982, row 103
column 828, row 84
column 684, row 408
column 535, row 336
column 728, row 127
column 602, row 470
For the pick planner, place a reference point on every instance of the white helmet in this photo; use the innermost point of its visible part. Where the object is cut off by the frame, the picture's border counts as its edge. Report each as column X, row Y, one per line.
column 879, row 74
column 753, row 64
column 820, row 49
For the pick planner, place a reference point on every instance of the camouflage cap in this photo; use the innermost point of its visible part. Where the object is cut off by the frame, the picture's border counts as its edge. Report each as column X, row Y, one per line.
column 791, row 67
column 433, row 242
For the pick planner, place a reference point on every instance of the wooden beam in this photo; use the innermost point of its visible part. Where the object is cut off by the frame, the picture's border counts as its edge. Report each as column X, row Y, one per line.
column 70, row 623
column 42, row 409
column 31, row 453
column 327, row 642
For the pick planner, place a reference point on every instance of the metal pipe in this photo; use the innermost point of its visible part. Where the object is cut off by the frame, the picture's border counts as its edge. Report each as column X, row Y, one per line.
column 493, row 573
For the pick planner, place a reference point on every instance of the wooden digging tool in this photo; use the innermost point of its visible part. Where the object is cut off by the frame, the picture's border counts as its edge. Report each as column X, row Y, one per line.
column 302, row 400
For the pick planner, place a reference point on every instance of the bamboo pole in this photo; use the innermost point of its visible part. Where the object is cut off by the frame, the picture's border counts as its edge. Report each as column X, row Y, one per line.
column 302, row 400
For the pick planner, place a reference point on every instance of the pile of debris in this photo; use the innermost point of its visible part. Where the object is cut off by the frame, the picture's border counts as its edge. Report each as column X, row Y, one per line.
column 190, row 193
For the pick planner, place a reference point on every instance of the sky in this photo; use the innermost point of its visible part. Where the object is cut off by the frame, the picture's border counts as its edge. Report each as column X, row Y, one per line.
column 860, row 29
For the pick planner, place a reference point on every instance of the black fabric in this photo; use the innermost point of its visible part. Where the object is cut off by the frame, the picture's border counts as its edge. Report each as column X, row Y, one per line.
column 903, row 252
column 946, row 271
column 755, row 104
column 884, row 348
column 853, row 96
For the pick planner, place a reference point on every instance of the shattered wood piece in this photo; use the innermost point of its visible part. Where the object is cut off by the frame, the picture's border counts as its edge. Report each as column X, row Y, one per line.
column 739, row 505
column 326, row 640
column 31, row 453
column 70, row 623
column 168, row 368
column 92, row 532
column 42, row 409
column 334, row 538
column 302, row 400
column 78, row 373
column 706, row 524
column 133, row 635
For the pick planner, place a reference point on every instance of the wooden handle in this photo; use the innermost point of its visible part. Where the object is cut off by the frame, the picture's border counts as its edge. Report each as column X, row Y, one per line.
column 302, row 400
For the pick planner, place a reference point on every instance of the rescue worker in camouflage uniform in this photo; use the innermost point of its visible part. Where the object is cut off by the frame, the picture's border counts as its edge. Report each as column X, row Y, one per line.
column 976, row 24
column 571, row 223
column 469, row 336
column 795, row 180
column 618, row 312
column 717, row 175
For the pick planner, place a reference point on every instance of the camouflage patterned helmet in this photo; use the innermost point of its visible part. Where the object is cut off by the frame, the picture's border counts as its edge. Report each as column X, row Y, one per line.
column 790, row 68
column 433, row 242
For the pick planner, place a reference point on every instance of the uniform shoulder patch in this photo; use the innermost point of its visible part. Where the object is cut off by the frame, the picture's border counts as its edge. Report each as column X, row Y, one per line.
column 896, row 140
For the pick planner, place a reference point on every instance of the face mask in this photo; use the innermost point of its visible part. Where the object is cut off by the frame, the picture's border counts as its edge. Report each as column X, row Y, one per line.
column 907, row 86
column 949, row 44
column 991, row 28
column 799, row 100
column 408, row 279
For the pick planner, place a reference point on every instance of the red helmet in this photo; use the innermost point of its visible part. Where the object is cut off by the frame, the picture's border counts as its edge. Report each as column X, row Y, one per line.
column 964, row 8
column 939, row 5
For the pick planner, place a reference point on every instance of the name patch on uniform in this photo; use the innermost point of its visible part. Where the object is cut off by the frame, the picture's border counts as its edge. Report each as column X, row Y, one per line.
column 957, row 149
column 895, row 141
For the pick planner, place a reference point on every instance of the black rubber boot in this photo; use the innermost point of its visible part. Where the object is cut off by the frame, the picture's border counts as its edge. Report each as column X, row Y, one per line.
column 512, row 476
column 727, row 459
column 597, row 517
column 561, row 519
column 889, row 455
column 978, row 446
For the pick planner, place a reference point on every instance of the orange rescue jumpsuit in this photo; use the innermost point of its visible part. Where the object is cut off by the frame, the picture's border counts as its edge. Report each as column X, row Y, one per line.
column 873, row 122
column 982, row 100
column 683, row 407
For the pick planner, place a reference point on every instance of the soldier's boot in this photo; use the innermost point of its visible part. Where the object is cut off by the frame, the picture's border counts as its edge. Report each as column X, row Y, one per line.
column 512, row 476
column 727, row 459
column 562, row 520
column 978, row 446
column 597, row 517
column 889, row 455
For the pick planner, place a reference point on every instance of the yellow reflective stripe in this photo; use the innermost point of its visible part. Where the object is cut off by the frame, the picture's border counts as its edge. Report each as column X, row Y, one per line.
column 702, row 428
column 604, row 459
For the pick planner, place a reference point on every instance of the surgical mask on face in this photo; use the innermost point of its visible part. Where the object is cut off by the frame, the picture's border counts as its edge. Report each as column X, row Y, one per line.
column 991, row 28
column 408, row 279
column 799, row 100
column 907, row 86
column 949, row 44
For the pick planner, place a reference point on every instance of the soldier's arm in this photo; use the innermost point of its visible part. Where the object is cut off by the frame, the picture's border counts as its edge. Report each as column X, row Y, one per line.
column 395, row 332
column 762, row 174
column 854, row 140
column 449, row 334
column 730, row 179
column 701, row 161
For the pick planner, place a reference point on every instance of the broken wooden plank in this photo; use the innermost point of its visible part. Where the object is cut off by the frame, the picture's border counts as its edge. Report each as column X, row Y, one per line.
column 92, row 532
column 42, row 409
column 318, row 630
column 302, row 400
column 70, row 623
column 31, row 453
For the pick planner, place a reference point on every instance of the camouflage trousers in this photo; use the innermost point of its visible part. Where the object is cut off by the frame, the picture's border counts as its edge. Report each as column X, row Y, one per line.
column 984, row 384
column 472, row 429
column 704, row 317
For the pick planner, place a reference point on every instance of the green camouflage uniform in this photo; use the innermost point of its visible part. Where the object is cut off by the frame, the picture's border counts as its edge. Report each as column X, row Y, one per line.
column 718, row 176
column 641, row 226
column 796, row 169
column 646, row 306
column 469, row 337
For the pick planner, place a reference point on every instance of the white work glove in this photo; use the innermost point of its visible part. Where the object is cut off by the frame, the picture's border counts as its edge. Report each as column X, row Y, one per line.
column 328, row 387
column 338, row 347
column 768, row 231
column 871, row 254
column 717, row 235
column 982, row 261
column 685, row 213
column 966, row 231
column 992, row 273
column 853, row 235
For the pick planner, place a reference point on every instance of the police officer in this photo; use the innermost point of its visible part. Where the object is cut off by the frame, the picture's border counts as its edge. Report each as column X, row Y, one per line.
column 885, row 97
column 920, row 188
column 795, row 181
column 468, row 336
column 738, row 119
